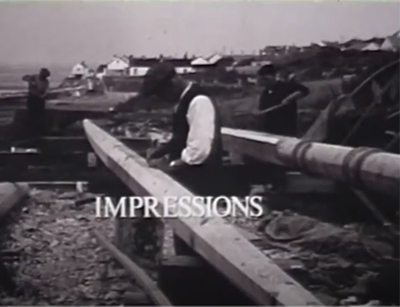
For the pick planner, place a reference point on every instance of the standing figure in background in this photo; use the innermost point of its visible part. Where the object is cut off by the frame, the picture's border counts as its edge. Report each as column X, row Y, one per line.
column 38, row 86
column 277, row 109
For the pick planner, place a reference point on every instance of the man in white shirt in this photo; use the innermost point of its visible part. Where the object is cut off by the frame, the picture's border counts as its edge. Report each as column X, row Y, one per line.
column 195, row 149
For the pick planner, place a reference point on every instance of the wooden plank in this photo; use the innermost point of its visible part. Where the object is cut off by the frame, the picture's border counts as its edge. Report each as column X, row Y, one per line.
column 214, row 239
column 180, row 276
column 51, row 174
column 135, row 298
column 78, row 144
column 23, row 94
column 258, row 145
column 135, row 271
column 72, row 144
column 54, row 184
column 36, row 159
column 296, row 182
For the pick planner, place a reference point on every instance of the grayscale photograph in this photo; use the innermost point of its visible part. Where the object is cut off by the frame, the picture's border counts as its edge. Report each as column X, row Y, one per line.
column 199, row 153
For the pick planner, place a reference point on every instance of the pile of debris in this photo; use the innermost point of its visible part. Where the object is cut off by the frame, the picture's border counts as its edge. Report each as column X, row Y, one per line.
column 343, row 265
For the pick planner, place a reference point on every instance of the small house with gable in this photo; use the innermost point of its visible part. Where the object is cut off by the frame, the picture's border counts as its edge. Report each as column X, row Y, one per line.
column 392, row 42
column 138, row 67
column 119, row 65
column 80, row 70
column 182, row 66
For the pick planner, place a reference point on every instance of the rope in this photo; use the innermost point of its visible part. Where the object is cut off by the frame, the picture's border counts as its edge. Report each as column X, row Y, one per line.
column 375, row 102
column 371, row 77
column 395, row 139
column 298, row 154
column 346, row 166
column 352, row 162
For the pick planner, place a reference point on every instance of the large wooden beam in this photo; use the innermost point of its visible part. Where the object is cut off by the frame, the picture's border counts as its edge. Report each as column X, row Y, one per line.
column 369, row 169
column 258, row 145
column 19, row 159
column 23, row 94
column 214, row 239
column 95, row 176
column 76, row 144
column 137, row 273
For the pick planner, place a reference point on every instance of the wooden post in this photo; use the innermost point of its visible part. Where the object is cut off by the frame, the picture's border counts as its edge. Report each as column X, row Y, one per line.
column 190, row 281
column 140, row 238
column 136, row 272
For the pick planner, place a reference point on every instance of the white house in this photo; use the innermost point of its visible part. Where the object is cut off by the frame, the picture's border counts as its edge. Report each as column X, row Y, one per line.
column 80, row 69
column 207, row 62
column 185, row 70
column 182, row 66
column 372, row 47
column 199, row 62
column 392, row 42
column 118, row 66
column 138, row 71
column 214, row 59
column 140, row 66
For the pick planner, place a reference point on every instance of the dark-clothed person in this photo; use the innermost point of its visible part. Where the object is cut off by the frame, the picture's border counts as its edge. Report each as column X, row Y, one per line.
column 195, row 150
column 38, row 86
column 282, row 93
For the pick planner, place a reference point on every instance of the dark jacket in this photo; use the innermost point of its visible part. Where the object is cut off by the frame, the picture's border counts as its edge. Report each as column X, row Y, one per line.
column 37, row 90
column 282, row 121
column 36, row 87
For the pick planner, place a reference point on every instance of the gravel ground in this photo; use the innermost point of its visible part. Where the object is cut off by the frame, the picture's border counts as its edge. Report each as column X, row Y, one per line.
column 60, row 263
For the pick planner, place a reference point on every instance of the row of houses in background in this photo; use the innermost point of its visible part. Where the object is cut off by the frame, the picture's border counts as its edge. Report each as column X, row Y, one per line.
column 137, row 67
column 242, row 64
column 389, row 43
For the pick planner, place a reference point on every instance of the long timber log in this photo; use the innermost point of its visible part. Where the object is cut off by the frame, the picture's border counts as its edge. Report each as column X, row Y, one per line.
column 135, row 271
column 214, row 239
column 24, row 94
column 366, row 168
column 74, row 144
column 42, row 159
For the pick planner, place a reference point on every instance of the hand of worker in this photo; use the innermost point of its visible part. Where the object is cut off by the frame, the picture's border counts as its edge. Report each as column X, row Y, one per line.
column 152, row 161
column 155, row 163
column 150, row 153
column 248, row 113
column 176, row 165
column 161, row 164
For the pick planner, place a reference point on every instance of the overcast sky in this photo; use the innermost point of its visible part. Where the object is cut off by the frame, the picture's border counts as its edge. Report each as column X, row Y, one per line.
column 65, row 32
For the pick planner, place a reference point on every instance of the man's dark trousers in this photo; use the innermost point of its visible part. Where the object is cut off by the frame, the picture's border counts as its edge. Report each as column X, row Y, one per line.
column 35, row 115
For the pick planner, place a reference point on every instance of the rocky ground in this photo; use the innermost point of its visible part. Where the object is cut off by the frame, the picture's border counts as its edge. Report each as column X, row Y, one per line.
column 59, row 262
